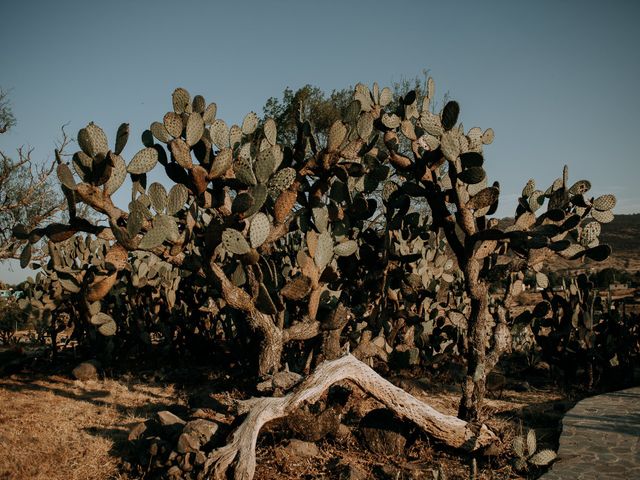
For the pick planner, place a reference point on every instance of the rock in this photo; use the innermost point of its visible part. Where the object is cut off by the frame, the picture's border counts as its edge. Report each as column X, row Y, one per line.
column 383, row 433
column 200, row 458
column 201, row 430
column 343, row 434
column 286, row 380
column 299, row 449
column 167, row 419
column 187, row 443
column 85, row 371
column 137, row 431
column 348, row 471
column 313, row 428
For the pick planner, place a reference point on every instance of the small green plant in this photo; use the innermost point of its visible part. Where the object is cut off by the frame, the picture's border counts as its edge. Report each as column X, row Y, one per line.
column 526, row 454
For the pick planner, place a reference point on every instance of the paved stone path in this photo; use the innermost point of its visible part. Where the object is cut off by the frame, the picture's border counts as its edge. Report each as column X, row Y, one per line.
column 600, row 439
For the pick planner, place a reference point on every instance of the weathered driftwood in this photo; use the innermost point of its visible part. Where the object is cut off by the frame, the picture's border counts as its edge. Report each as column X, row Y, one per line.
column 241, row 448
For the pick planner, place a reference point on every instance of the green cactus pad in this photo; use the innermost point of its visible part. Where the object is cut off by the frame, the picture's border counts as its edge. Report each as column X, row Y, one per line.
column 180, row 99
column 346, row 248
column 168, row 225
column 488, row 136
column 604, row 202
column 209, row 114
column 108, row 329
column 159, row 131
column 580, row 187
column 365, row 126
column 243, row 202
column 259, row 193
column 100, row 318
column 244, row 172
column 178, row 196
column 391, row 121
column 431, row 123
column 158, row 196
column 270, row 131
column 235, row 242
column 471, row 159
column 25, row 256
column 602, row 216
column 450, row 146
column 143, row 161
column 265, row 165
column 324, row 250
column 153, row 238
column 250, row 123
column 198, row 104
column 543, row 457
column 122, row 135
column 386, row 95
column 472, row 175
column 264, row 303
column 337, row 135
column 449, row 116
column 173, row 124
column 118, row 174
column 194, row 129
column 221, row 163
column 181, row 153
column 134, row 222
column 66, row 176
column 297, row 289
column 235, row 136
column 484, row 198
column 219, row 134
column 82, row 164
column 259, row 229
column 97, row 140
column 282, row 179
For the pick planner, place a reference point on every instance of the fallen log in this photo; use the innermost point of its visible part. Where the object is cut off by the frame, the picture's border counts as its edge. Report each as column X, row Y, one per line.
column 241, row 447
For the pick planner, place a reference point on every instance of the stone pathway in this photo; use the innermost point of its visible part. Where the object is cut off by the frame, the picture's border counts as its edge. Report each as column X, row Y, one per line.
column 600, row 439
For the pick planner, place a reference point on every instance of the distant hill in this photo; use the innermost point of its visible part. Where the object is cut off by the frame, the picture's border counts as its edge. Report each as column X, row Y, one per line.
column 622, row 234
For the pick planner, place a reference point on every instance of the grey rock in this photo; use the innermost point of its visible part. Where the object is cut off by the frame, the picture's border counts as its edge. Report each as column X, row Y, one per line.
column 187, row 443
column 85, row 371
column 202, row 430
column 348, row 471
column 286, row 380
column 299, row 449
column 166, row 419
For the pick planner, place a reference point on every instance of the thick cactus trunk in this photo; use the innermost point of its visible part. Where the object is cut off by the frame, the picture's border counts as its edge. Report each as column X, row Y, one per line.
column 474, row 386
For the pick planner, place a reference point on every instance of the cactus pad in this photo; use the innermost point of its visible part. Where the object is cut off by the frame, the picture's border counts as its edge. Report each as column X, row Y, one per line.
column 259, row 229
column 143, row 161
column 235, row 242
column 173, row 124
column 250, row 123
column 180, row 99
column 194, row 129
column 181, row 153
column 118, row 174
column 178, row 196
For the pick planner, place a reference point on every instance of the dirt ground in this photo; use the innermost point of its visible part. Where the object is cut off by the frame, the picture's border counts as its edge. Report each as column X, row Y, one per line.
column 54, row 427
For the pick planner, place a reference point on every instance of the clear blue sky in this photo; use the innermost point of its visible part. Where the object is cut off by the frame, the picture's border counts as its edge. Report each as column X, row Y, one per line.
column 556, row 80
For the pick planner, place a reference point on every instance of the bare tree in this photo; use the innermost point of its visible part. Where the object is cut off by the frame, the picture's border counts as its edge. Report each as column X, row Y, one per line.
column 27, row 196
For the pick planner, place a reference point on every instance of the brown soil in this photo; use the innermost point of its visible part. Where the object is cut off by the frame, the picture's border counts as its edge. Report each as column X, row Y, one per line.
column 53, row 427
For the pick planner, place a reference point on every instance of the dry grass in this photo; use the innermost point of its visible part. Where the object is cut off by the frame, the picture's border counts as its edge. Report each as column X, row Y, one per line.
column 52, row 427
column 56, row 428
